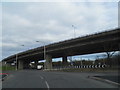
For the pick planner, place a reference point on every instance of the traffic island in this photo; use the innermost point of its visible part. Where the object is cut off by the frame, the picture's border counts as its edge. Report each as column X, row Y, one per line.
column 107, row 79
column 3, row 76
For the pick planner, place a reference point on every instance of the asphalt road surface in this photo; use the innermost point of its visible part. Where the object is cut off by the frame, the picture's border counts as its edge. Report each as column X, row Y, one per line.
column 43, row 79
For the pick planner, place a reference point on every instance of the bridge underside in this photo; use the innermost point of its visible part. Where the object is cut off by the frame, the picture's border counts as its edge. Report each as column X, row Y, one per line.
column 23, row 62
column 92, row 45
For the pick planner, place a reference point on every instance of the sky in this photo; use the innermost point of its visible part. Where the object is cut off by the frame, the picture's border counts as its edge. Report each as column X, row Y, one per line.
column 24, row 23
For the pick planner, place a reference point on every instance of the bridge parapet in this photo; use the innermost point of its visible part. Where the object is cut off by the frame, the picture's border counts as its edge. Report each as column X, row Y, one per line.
column 82, row 45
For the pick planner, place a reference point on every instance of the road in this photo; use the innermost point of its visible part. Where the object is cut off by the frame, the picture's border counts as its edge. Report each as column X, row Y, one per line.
column 44, row 79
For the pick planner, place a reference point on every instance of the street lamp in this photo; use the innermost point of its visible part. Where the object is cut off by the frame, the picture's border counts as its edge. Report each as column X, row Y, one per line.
column 74, row 30
column 16, row 62
column 44, row 48
column 17, row 58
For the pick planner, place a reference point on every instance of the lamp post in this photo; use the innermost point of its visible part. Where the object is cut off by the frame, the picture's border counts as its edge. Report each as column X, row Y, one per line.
column 17, row 60
column 74, row 30
column 5, row 65
column 44, row 48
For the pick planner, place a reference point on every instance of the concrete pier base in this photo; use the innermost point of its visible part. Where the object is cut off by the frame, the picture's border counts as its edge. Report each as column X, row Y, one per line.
column 64, row 60
column 48, row 62
column 26, row 64
column 36, row 63
column 20, row 64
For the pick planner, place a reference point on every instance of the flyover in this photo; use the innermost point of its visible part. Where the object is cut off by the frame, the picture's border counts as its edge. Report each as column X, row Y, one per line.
column 94, row 43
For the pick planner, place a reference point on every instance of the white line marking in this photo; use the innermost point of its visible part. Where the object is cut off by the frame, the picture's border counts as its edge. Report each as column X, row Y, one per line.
column 47, row 85
column 45, row 82
column 41, row 77
column 4, row 77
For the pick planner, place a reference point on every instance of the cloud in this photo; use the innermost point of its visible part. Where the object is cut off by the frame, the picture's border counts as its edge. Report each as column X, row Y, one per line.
column 25, row 23
column 0, row 30
column 60, row 1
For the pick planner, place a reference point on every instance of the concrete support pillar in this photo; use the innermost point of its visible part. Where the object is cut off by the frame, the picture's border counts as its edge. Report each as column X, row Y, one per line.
column 26, row 64
column 48, row 62
column 64, row 60
column 20, row 64
column 6, row 63
column 3, row 63
column 36, row 63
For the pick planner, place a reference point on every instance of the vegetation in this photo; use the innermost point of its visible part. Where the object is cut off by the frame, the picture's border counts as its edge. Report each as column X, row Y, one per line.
column 7, row 68
column 114, row 62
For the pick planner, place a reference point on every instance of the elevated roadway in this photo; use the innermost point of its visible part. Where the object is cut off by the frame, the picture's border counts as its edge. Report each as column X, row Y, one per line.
column 95, row 43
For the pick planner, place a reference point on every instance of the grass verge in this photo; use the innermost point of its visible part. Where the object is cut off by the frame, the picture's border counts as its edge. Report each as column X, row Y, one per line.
column 7, row 68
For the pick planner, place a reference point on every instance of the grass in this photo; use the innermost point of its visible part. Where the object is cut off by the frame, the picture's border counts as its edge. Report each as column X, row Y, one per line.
column 7, row 68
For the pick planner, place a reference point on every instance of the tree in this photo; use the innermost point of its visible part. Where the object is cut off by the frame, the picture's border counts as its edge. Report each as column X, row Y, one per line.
column 109, row 53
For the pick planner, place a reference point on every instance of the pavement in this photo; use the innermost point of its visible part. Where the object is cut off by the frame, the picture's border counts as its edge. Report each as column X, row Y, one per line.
column 111, row 78
column 3, row 76
column 44, row 79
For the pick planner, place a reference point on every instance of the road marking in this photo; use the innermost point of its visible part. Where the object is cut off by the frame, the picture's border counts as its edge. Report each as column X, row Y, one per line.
column 41, row 77
column 4, row 77
column 45, row 82
column 47, row 85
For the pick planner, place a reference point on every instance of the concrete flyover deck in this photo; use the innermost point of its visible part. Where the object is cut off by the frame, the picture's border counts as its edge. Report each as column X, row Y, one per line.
column 95, row 43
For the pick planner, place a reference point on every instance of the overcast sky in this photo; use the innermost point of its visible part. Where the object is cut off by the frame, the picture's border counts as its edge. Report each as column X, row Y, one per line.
column 25, row 23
